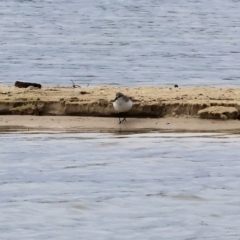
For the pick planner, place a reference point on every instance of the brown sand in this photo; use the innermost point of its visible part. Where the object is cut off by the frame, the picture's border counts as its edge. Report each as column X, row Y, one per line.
column 96, row 101
column 160, row 109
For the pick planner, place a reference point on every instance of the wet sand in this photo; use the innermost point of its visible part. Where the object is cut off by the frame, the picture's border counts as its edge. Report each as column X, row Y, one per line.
column 96, row 124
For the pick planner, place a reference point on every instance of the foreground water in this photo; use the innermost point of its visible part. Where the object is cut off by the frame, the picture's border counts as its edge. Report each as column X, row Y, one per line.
column 144, row 42
column 105, row 186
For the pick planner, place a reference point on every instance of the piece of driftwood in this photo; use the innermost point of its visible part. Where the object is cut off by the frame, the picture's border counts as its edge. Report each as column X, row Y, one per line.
column 74, row 85
column 26, row 84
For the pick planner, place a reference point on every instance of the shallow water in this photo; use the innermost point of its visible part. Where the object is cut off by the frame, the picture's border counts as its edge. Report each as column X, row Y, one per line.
column 106, row 186
column 185, row 42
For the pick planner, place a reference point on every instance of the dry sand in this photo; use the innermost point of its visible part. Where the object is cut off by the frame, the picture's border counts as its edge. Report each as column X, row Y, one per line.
column 159, row 109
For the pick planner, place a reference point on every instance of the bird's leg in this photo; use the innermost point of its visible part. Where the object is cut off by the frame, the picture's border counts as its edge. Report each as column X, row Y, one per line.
column 124, row 118
column 119, row 114
column 123, row 115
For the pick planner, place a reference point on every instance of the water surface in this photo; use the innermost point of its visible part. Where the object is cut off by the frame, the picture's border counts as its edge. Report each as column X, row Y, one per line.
column 130, row 43
column 106, row 186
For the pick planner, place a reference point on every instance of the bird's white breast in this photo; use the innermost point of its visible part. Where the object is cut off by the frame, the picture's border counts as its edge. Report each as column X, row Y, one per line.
column 121, row 105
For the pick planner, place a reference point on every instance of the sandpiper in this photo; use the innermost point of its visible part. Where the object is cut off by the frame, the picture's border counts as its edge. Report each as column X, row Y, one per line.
column 122, row 104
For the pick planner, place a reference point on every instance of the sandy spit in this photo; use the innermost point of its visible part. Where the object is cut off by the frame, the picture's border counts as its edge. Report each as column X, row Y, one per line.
column 89, row 109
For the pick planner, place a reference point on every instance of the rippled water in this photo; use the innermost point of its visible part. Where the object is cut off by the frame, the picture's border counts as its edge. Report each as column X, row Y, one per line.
column 105, row 186
column 120, row 42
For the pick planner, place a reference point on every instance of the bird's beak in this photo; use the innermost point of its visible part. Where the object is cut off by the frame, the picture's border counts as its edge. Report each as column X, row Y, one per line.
column 115, row 99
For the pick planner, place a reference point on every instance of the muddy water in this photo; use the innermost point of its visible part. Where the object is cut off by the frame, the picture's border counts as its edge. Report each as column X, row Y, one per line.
column 106, row 186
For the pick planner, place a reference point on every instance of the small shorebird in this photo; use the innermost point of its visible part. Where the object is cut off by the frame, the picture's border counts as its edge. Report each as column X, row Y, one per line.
column 122, row 104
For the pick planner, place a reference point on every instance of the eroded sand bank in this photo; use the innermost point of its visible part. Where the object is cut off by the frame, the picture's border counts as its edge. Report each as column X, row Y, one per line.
column 96, row 101
column 154, row 108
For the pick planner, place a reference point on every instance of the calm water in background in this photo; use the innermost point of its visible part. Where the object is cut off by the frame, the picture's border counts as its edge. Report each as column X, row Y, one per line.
column 144, row 42
column 105, row 186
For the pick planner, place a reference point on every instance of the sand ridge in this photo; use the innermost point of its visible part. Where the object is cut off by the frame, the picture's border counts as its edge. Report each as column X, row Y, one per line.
column 96, row 101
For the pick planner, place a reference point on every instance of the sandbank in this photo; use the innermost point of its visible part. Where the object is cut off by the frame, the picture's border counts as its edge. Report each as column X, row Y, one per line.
column 89, row 109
